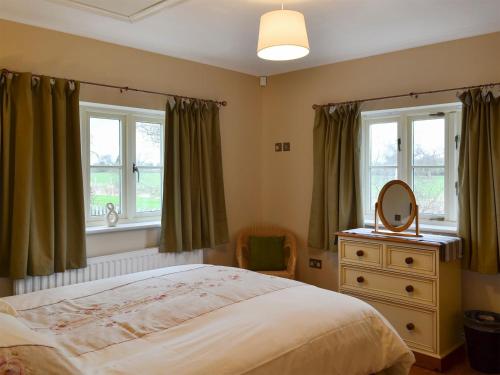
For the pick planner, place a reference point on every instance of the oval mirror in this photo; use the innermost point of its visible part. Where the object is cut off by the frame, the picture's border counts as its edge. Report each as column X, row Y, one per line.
column 397, row 207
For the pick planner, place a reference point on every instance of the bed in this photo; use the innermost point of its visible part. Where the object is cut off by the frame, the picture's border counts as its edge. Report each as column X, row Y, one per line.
column 196, row 319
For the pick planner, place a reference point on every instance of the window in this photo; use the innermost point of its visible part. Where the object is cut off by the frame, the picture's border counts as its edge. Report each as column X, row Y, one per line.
column 428, row 166
column 148, row 166
column 122, row 153
column 418, row 146
column 383, row 161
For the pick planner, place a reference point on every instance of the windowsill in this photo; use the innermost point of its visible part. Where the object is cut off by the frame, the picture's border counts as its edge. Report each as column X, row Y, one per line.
column 123, row 227
column 424, row 228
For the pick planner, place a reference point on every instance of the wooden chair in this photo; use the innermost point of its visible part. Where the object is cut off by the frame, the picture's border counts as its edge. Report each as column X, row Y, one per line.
column 290, row 245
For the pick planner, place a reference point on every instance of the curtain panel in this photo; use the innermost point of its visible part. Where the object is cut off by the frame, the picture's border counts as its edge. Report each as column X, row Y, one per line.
column 336, row 199
column 194, row 208
column 479, row 181
column 42, row 226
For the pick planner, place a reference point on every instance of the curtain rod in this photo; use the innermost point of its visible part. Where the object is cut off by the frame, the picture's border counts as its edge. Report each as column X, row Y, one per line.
column 411, row 94
column 126, row 88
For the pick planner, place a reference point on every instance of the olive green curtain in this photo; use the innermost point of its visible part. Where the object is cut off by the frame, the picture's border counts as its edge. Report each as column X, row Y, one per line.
column 194, row 208
column 42, row 222
column 336, row 199
column 479, row 181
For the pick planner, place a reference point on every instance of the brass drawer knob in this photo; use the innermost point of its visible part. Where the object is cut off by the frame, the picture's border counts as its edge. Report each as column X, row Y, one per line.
column 360, row 279
column 409, row 260
column 410, row 326
column 409, row 288
column 360, row 253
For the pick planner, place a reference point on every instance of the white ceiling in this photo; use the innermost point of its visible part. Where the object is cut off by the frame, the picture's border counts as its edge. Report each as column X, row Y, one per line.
column 121, row 7
column 125, row 10
column 224, row 32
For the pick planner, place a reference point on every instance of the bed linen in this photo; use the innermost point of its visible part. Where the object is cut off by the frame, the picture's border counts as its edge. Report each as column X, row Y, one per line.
column 23, row 351
column 202, row 319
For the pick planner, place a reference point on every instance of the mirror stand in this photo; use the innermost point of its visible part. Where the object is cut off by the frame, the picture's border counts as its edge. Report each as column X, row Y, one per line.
column 402, row 234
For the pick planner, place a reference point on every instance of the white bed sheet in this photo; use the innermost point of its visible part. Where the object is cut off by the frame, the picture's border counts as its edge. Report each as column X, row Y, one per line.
column 263, row 325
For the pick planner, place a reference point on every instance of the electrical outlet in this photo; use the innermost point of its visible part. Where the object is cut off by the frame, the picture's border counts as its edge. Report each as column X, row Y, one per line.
column 315, row 263
column 278, row 147
column 286, row 146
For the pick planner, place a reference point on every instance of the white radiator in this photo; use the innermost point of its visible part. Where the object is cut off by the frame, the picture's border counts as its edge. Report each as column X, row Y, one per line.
column 108, row 266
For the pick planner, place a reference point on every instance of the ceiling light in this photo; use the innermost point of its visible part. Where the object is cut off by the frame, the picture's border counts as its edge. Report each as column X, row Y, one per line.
column 282, row 36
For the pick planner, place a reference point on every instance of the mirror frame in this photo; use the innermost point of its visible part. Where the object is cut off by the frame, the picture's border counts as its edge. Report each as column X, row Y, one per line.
column 413, row 201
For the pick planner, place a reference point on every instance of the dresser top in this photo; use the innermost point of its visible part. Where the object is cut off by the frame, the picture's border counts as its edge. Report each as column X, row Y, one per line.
column 450, row 247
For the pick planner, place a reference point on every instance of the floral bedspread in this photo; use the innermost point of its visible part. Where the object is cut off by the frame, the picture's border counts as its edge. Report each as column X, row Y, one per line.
column 131, row 311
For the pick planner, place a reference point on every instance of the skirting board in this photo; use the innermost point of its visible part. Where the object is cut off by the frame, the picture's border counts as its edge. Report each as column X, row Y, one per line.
column 440, row 364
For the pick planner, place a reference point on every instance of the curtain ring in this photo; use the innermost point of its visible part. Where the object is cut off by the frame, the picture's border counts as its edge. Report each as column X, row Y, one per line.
column 7, row 75
column 171, row 102
column 34, row 81
column 182, row 103
column 488, row 96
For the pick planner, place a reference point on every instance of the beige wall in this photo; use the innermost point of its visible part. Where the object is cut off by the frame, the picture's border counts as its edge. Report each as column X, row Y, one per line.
column 260, row 185
column 25, row 48
column 287, row 116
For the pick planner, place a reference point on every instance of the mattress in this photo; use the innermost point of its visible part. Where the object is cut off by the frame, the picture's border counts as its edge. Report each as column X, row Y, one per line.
column 203, row 319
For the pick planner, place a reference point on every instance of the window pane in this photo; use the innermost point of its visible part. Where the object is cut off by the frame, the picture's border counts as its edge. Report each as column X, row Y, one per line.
column 428, row 185
column 148, row 144
column 105, row 187
column 148, row 192
column 428, row 142
column 384, row 144
column 104, row 141
column 378, row 178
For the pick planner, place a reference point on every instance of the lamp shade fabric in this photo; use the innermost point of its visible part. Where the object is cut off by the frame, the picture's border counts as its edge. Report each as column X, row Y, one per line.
column 282, row 36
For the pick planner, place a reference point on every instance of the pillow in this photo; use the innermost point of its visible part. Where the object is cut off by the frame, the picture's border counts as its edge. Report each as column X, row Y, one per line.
column 24, row 351
column 267, row 253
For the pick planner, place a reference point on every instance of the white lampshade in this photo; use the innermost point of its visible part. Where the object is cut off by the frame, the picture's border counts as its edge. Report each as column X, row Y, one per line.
column 282, row 36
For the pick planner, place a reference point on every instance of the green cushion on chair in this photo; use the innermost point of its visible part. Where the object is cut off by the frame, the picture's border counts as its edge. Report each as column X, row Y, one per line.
column 267, row 253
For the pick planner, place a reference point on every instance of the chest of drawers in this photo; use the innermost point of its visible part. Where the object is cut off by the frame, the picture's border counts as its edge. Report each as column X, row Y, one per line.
column 406, row 281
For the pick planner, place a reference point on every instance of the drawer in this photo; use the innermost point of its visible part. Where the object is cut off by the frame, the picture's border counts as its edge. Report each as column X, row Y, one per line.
column 416, row 327
column 402, row 288
column 416, row 261
column 356, row 252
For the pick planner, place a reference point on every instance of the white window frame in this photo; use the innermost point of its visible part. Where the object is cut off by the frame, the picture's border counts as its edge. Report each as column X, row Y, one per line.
column 128, row 118
column 404, row 118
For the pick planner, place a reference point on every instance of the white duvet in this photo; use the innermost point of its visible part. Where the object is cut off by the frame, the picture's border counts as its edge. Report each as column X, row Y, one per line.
column 202, row 319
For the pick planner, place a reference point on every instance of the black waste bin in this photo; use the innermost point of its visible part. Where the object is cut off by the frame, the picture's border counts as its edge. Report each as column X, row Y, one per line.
column 482, row 335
